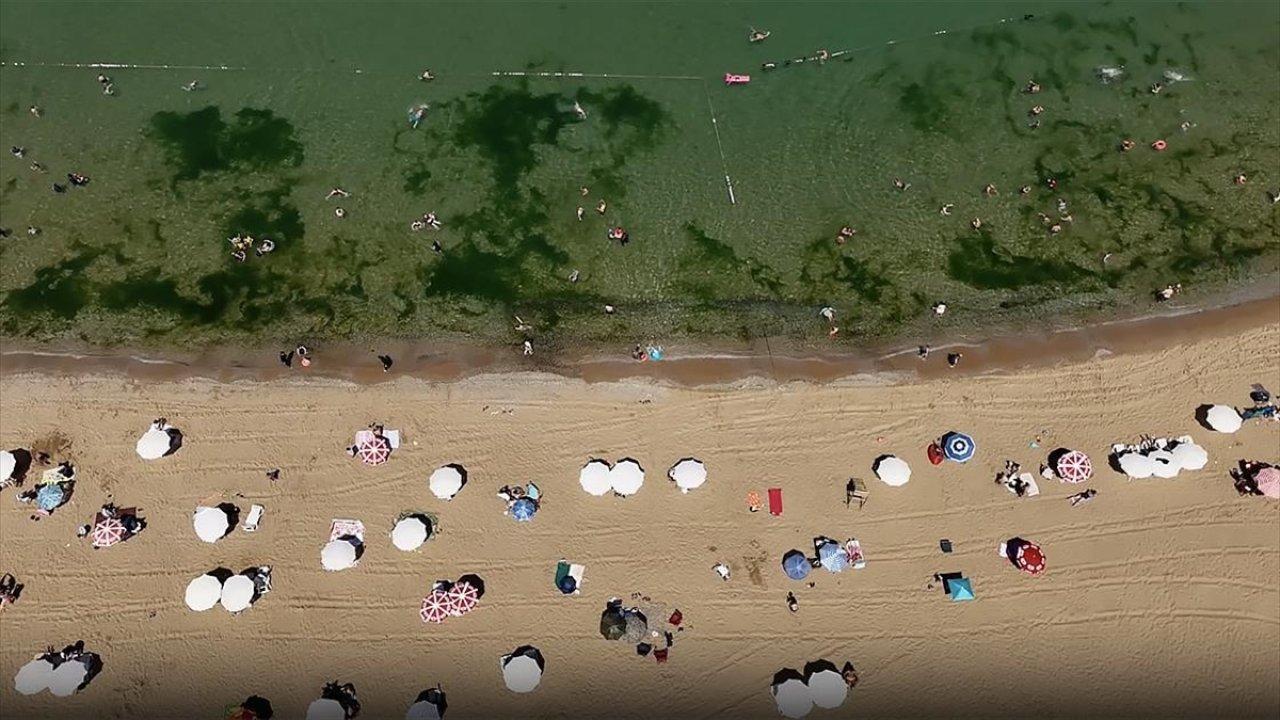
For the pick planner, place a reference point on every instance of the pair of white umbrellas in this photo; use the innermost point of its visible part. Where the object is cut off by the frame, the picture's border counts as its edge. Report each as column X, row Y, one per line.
column 236, row 594
column 40, row 674
column 625, row 478
column 822, row 685
column 211, row 523
column 1163, row 463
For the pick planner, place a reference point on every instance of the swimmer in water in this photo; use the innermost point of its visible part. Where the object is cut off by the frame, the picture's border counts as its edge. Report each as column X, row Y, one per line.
column 193, row 85
column 976, row 223
column 953, row 359
column 1024, row 190
column 946, row 209
column 426, row 76
column 1127, row 144
column 577, row 108
column 337, row 192
column 35, row 111
column 601, row 207
column 436, row 247
column 17, row 151
column 899, row 184
column 823, row 55
column 581, row 210
column 1036, row 109
column 768, row 66
column 1157, row 88
column 1032, row 87
column 756, row 36
column 1240, row 179
column 339, row 213
column 990, row 190
column 417, row 225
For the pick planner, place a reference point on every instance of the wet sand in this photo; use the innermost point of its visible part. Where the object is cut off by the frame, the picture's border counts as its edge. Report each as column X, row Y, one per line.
column 694, row 367
column 1159, row 599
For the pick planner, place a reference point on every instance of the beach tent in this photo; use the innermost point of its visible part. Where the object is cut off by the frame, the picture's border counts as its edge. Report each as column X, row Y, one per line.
column 203, row 593
column 1163, row 464
column 326, row 709
column 155, row 443
column 429, row 705
column 237, row 593
column 957, row 447
column 211, row 523
column 1074, row 467
column 522, row 669
column 833, row 557
column 626, row 477
column 827, row 687
column 688, row 474
column 1268, row 482
column 523, row 509
column 1224, row 419
column 961, row 590
column 447, row 480
column 34, row 677
column 1136, row 465
column 796, row 565
column 791, row 694
column 1190, row 456
column 339, row 554
column 594, row 477
column 410, row 532
column 8, row 463
column 892, row 471
column 68, row 677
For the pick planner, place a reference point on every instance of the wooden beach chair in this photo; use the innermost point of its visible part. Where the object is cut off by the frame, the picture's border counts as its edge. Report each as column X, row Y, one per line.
column 858, row 493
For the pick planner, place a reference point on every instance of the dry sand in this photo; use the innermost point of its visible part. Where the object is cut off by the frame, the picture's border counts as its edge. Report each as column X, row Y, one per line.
column 1161, row 598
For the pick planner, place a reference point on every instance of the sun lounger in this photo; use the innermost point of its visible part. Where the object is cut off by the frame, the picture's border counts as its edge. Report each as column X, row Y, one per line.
column 254, row 517
column 345, row 528
column 859, row 493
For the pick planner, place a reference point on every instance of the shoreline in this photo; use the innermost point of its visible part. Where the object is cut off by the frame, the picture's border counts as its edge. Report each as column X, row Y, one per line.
column 886, row 365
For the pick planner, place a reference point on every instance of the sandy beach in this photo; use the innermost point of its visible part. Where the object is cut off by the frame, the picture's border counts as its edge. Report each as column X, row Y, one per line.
column 1160, row 598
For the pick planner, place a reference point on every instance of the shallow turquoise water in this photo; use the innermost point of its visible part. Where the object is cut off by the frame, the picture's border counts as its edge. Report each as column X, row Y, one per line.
column 319, row 96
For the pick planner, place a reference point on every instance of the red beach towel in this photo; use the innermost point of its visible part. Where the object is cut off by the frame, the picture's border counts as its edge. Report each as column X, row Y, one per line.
column 775, row 501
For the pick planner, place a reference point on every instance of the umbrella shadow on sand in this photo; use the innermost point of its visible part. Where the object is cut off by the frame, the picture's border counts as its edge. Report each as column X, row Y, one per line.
column 1202, row 416
column 1057, row 455
column 21, row 465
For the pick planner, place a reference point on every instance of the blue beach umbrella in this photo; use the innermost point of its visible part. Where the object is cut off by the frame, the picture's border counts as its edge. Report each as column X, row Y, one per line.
column 961, row 590
column 833, row 557
column 50, row 497
column 957, row 446
column 523, row 509
column 796, row 565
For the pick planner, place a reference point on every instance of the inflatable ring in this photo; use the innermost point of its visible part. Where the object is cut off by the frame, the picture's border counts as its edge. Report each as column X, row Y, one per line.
column 1159, row 145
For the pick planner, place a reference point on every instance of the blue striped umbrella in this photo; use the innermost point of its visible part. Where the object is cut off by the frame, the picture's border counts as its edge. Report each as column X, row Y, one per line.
column 50, row 497
column 957, row 446
column 523, row 509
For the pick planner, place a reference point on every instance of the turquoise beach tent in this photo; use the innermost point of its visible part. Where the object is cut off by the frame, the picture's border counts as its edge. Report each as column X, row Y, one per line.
column 961, row 590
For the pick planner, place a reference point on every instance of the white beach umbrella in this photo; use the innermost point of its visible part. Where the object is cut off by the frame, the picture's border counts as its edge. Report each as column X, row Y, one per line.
column 594, row 477
column 326, row 709
column 237, row 593
column 521, row 673
column 688, row 474
column 33, row 677
column 626, row 477
column 153, row 444
column 893, row 471
column 338, row 555
column 1163, row 464
column 67, row 678
column 827, row 688
column 445, row 482
column 409, row 533
column 1136, row 465
column 8, row 463
column 1224, row 419
column 793, row 698
column 1190, row 456
column 203, row 593
column 211, row 523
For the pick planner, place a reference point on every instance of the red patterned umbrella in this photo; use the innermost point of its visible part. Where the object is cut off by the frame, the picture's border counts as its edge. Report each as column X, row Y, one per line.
column 373, row 451
column 435, row 607
column 463, row 598
column 1074, row 467
column 107, row 531
column 1030, row 558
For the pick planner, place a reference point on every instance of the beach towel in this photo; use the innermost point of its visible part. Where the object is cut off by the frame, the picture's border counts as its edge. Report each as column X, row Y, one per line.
column 393, row 437
column 344, row 528
column 775, row 501
column 1033, row 489
column 853, row 549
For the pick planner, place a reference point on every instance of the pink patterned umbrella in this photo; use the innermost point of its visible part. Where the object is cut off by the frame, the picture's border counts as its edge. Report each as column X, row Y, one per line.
column 1268, row 480
column 373, row 451
column 1074, row 467
column 107, row 531
column 462, row 599
column 435, row 607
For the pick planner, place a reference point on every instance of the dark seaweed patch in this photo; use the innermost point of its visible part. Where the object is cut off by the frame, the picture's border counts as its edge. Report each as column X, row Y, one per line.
column 505, row 125
column 59, row 289
column 978, row 263
column 201, row 142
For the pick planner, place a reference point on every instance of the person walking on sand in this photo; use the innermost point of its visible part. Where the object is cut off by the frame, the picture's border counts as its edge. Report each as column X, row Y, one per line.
column 953, row 359
column 792, row 604
column 722, row 570
column 386, row 362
